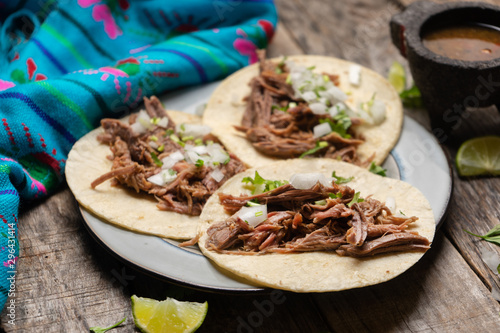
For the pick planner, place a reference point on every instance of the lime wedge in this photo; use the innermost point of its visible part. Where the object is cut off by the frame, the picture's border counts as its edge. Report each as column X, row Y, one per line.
column 170, row 315
column 479, row 156
column 397, row 77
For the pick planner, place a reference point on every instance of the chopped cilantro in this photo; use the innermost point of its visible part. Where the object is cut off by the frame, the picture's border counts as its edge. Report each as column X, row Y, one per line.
column 288, row 79
column 341, row 180
column 161, row 148
column 169, row 132
column 183, row 127
column 154, row 120
column 278, row 70
column 227, row 159
column 172, row 172
column 400, row 212
column 320, row 202
column 198, row 142
column 311, row 68
column 259, row 184
column 176, row 139
column 153, row 138
column 319, row 145
column 367, row 106
column 335, row 195
column 340, row 125
column 411, row 97
column 378, row 170
column 187, row 138
column 326, row 78
column 156, row 159
column 199, row 163
column 355, row 199
column 97, row 329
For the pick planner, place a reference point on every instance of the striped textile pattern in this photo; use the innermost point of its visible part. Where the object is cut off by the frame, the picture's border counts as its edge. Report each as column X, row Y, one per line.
column 64, row 66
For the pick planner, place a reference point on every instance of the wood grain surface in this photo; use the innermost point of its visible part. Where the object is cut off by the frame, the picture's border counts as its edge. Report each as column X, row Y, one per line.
column 67, row 282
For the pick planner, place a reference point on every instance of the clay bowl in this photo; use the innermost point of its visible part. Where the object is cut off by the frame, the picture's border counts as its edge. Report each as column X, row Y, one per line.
column 447, row 85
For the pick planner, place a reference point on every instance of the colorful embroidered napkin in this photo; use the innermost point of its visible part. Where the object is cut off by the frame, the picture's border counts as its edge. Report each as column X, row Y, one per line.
column 64, row 66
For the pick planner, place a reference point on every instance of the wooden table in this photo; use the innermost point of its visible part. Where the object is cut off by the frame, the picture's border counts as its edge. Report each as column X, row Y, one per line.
column 67, row 282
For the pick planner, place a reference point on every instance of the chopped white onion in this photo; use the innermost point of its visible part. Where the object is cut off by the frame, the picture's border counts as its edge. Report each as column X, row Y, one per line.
column 309, row 96
column 191, row 157
column 355, row 75
column 318, row 108
column 163, row 177
column 163, row 122
column 217, row 175
column 253, row 215
column 171, row 160
column 304, row 181
column 378, row 112
column 390, row 203
column 217, row 153
column 200, row 150
column 336, row 94
column 144, row 119
column 138, row 128
column 194, row 130
column 322, row 129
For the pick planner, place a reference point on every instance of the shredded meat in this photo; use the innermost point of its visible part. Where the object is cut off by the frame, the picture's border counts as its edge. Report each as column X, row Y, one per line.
column 314, row 220
column 288, row 133
column 134, row 162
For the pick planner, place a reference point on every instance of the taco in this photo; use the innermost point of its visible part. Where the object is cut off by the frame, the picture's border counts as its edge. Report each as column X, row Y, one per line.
column 315, row 233
column 162, row 168
column 306, row 106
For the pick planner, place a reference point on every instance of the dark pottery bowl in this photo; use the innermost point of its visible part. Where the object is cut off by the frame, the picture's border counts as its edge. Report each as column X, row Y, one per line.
column 447, row 85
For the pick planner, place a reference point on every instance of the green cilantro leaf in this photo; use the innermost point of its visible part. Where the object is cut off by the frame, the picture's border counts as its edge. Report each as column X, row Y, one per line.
column 320, row 202
column 400, row 212
column 378, row 170
column 492, row 236
column 260, row 185
column 411, row 97
column 156, row 159
column 341, row 180
column 340, row 124
column 355, row 199
column 199, row 163
column 319, row 145
column 335, row 195
column 97, row 329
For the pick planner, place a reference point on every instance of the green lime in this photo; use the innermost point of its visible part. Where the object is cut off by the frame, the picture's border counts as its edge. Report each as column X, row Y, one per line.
column 479, row 156
column 397, row 77
column 170, row 315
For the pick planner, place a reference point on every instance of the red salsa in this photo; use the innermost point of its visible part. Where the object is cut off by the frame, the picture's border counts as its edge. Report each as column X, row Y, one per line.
column 465, row 42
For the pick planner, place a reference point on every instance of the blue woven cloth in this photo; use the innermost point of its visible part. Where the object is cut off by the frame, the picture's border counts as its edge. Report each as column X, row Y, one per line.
column 65, row 66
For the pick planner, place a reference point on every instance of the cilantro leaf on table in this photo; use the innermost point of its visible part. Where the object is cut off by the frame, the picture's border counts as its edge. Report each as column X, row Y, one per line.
column 97, row 329
column 492, row 236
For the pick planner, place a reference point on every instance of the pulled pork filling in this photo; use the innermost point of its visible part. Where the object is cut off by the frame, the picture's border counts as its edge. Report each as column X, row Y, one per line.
column 143, row 153
column 322, row 218
column 280, row 124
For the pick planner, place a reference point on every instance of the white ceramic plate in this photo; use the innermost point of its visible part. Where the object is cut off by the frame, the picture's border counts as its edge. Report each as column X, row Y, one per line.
column 417, row 159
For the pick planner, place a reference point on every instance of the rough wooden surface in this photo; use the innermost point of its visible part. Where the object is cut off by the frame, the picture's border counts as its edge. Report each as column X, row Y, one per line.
column 67, row 282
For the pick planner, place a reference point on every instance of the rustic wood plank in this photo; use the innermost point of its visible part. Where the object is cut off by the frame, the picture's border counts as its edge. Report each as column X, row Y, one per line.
column 408, row 2
column 283, row 44
column 427, row 298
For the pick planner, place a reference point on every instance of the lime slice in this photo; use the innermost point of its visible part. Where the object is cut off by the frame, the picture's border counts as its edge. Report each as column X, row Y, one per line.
column 397, row 77
column 479, row 156
column 170, row 315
